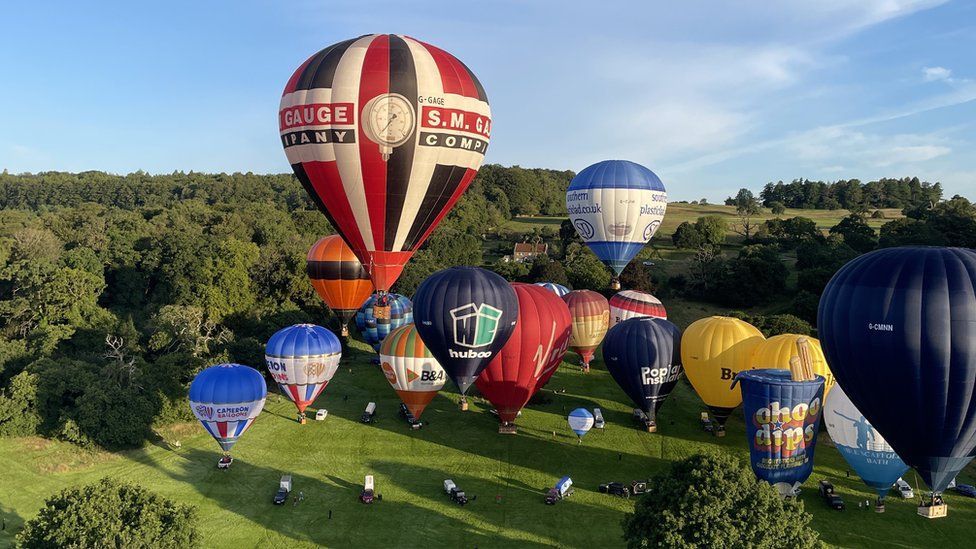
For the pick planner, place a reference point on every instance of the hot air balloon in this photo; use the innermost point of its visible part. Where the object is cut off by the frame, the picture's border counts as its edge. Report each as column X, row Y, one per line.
column 465, row 315
column 776, row 352
column 530, row 356
column 644, row 357
column 782, row 420
column 338, row 277
column 385, row 133
column 616, row 207
column 302, row 359
column 713, row 350
column 580, row 421
column 633, row 304
column 559, row 289
column 411, row 369
column 591, row 319
column 226, row 399
column 865, row 450
column 375, row 321
column 898, row 328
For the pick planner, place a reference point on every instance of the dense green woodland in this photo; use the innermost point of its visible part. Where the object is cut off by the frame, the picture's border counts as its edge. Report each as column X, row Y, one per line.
column 116, row 290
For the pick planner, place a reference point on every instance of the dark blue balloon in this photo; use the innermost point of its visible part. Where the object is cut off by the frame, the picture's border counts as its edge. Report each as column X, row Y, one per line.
column 898, row 328
column 465, row 315
column 782, row 421
column 644, row 357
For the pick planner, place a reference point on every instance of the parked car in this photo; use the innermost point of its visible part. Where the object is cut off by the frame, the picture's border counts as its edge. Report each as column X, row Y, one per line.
column 369, row 413
column 598, row 419
column 967, row 490
column 829, row 496
column 904, row 489
column 284, row 488
column 369, row 495
column 615, row 489
column 320, row 415
column 457, row 495
column 562, row 490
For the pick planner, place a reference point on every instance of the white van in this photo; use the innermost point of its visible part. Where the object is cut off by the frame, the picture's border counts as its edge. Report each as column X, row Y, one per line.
column 449, row 485
column 369, row 413
column 904, row 489
column 320, row 415
column 598, row 419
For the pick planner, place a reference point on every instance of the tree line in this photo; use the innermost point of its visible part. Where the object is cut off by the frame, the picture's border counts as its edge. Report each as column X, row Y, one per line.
column 850, row 194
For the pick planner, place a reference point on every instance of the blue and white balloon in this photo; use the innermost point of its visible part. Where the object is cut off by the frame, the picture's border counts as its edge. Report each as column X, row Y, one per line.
column 558, row 289
column 226, row 399
column 580, row 421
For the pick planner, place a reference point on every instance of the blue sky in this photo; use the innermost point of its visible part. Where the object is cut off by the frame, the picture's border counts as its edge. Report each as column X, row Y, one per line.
column 710, row 95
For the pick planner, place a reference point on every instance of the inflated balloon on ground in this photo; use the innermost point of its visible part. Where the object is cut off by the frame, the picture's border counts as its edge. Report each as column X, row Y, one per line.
column 226, row 399
column 411, row 369
column 777, row 350
column 591, row 320
column 633, row 304
column 338, row 277
column 302, row 359
column 375, row 321
column 559, row 289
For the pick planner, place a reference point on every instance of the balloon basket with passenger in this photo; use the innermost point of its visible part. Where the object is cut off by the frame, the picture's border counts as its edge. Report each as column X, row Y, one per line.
column 507, row 428
column 225, row 461
column 935, row 507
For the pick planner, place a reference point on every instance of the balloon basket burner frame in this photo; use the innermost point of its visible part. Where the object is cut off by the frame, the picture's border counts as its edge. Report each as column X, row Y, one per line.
column 933, row 511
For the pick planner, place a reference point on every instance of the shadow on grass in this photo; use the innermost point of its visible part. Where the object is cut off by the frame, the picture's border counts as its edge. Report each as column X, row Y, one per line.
column 11, row 523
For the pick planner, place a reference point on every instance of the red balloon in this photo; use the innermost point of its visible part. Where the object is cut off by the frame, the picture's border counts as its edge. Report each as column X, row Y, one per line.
column 532, row 354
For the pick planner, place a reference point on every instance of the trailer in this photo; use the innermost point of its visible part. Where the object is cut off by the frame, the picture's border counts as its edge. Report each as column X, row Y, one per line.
column 562, row 490
column 369, row 413
column 369, row 494
column 284, row 488
column 457, row 495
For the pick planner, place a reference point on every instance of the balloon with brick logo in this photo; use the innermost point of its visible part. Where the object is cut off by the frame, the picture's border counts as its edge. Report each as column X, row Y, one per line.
column 226, row 399
column 302, row 359
column 411, row 369
column 375, row 321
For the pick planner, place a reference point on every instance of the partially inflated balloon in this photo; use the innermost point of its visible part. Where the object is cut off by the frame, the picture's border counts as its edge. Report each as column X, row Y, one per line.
column 644, row 357
column 713, row 350
column 226, row 399
column 591, row 320
column 776, row 352
column 338, row 277
column 375, row 321
column 532, row 353
column 385, row 133
column 412, row 371
column 465, row 315
column 898, row 328
column 634, row 304
column 302, row 359
column 616, row 207
column 865, row 450
column 559, row 289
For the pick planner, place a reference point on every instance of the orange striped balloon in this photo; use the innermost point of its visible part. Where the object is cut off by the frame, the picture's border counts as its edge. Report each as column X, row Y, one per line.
column 411, row 369
column 338, row 277
column 591, row 320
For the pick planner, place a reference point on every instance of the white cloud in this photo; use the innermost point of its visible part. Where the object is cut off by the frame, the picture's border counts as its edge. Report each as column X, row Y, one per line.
column 931, row 74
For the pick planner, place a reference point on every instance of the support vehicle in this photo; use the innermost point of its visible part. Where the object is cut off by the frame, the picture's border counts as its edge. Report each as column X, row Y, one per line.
column 598, row 419
column 904, row 489
column 967, row 490
column 829, row 496
column 284, row 488
column 562, row 490
column 320, row 415
column 457, row 495
column 406, row 414
column 645, row 422
column 369, row 413
column 369, row 494
column 615, row 489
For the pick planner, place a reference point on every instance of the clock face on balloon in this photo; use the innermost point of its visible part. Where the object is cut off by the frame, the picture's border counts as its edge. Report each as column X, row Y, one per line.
column 389, row 121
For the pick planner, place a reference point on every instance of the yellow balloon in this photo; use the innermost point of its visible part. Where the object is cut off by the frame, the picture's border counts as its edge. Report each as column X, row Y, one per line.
column 776, row 352
column 713, row 350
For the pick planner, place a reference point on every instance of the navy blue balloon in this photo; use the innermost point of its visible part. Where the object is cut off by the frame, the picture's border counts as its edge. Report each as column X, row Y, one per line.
column 898, row 328
column 644, row 357
column 465, row 315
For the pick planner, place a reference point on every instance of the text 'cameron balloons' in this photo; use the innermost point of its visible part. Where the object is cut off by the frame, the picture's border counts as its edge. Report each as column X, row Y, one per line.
column 777, row 351
column 898, row 327
column 580, row 421
column 385, row 133
column 713, row 350
column 559, row 289
column 375, row 321
column 338, row 277
column 412, row 371
column 532, row 353
column 782, row 420
column 591, row 320
column 302, row 359
column 465, row 315
column 616, row 207
column 634, row 304
column 644, row 357
column 861, row 445
column 226, row 399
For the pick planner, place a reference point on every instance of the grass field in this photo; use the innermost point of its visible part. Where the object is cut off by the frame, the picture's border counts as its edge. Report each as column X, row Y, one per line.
column 509, row 474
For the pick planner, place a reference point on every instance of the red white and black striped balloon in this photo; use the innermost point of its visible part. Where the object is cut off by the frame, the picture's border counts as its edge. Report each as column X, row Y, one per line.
column 633, row 303
column 385, row 132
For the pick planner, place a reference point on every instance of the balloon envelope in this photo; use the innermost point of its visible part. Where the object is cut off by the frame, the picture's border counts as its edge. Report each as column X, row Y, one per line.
column 590, row 312
column 411, row 369
column 385, row 133
column 634, row 304
column 782, row 420
column 302, row 359
column 375, row 321
column 644, row 357
column 226, row 399
column 465, row 315
column 713, row 350
column 559, row 289
column 338, row 277
column 532, row 353
column 616, row 207
column 898, row 327
column 865, row 450
column 580, row 421
column 776, row 352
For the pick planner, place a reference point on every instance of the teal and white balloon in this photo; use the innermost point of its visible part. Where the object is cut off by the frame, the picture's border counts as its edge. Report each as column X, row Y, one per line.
column 580, row 421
